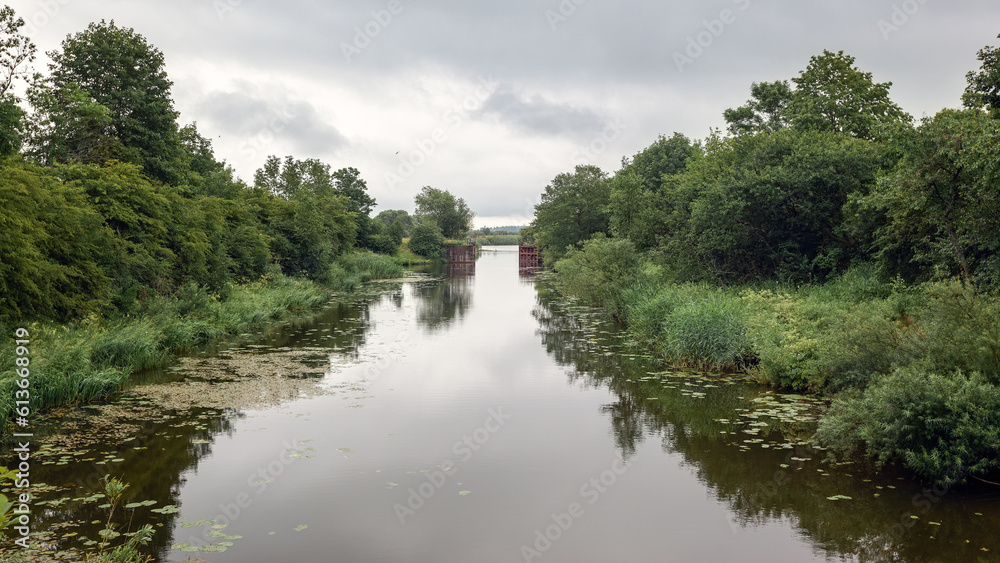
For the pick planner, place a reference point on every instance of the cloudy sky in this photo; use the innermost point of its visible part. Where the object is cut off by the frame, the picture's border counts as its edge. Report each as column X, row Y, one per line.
column 491, row 100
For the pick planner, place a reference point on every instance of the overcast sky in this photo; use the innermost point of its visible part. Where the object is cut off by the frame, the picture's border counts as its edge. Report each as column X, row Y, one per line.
column 491, row 100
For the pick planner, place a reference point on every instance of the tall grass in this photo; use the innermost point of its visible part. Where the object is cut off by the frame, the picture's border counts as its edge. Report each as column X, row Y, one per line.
column 92, row 361
column 356, row 268
column 692, row 325
column 916, row 369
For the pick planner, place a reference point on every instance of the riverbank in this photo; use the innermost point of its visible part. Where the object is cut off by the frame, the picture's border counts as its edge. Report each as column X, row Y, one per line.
column 913, row 370
column 92, row 360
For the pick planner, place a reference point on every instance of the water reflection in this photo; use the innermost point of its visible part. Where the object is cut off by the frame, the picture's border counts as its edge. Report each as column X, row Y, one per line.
column 439, row 304
column 763, row 471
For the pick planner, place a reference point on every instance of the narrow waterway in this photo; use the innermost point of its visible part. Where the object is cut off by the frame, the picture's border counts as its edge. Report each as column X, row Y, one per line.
column 476, row 416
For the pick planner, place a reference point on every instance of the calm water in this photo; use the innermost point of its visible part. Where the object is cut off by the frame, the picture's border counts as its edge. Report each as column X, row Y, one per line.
column 480, row 418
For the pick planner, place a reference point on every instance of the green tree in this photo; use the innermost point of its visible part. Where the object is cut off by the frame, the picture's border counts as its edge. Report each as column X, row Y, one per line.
column 349, row 185
column 769, row 204
column 398, row 221
column 53, row 247
column 426, row 239
column 831, row 94
column 636, row 205
column 451, row 214
column 983, row 90
column 16, row 54
column 941, row 201
column 16, row 50
column 767, row 109
column 665, row 156
column 121, row 71
column 308, row 222
column 69, row 126
column 291, row 177
column 573, row 208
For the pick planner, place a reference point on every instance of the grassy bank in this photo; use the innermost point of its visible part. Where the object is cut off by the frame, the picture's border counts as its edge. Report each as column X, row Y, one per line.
column 91, row 360
column 406, row 257
column 913, row 370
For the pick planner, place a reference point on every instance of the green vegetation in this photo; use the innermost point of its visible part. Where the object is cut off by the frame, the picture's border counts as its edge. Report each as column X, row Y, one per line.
column 827, row 244
column 125, row 240
column 451, row 214
column 426, row 240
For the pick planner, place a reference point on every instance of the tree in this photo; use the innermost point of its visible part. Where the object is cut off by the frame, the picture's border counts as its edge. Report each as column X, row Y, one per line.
column 768, row 205
column 308, row 221
column 426, row 239
column 636, row 201
column 983, row 90
column 396, row 219
column 290, row 178
column 348, row 183
column 69, row 126
column 831, row 94
column 765, row 111
column 573, row 208
column 941, row 201
column 16, row 54
column 53, row 247
column 451, row 214
column 664, row 156
column 16, row 50
column 121, row 71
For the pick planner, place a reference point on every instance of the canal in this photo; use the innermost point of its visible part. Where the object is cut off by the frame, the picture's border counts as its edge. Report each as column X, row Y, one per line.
column 477, row 416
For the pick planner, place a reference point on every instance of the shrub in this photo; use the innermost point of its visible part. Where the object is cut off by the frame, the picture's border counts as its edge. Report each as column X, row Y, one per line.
column 600, row 272
column 426, row 240
column 371, row 266
column 944, row 428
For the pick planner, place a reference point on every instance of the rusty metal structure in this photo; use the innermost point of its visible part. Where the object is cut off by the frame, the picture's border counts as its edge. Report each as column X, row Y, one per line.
column 528, row 257
column 460, row 253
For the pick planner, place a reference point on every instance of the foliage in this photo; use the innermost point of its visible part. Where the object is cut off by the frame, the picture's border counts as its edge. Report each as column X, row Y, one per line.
column 119, row 70
column 16, row 51
column 53, row 247
column 351, row 270
column 766, row 111
column 768, row 205
column 831, row 94
column 942, row 427
column 572, row 209
column 6, row 506
column 600, row 271
column 397, row 221
column 451, row 214
column 983, row 90
column 690, row 325
column 426, row 240
column 941, row 204
column 498, row 240
column 665, row 156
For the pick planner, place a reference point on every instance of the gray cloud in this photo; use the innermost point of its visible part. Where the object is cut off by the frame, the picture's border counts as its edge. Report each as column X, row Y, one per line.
column 571, row 67
column 262, row 121
column 535, row 114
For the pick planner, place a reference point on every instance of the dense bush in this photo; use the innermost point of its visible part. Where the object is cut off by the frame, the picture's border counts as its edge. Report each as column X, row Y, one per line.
column 600, row 272
column 941, row 427
column 426, row 240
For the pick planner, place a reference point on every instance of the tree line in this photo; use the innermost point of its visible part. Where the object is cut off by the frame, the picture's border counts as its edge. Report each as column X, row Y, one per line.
column 813, row 175
column 108, row 200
